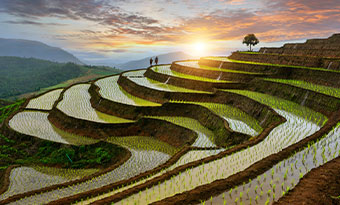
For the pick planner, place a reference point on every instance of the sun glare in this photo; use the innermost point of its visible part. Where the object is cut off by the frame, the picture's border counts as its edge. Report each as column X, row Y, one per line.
column 198, row 49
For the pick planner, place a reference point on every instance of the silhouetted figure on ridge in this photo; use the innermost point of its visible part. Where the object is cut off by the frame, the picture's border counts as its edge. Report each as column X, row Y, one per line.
column 156, row 60
column 151, row 61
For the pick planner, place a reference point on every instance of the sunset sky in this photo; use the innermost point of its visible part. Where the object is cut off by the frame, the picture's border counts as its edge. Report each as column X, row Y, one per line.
column 123, row 30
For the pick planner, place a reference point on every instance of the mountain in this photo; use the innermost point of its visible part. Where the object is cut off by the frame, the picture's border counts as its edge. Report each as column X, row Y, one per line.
column 25, row 75
column 35, row 49
column 167, row 58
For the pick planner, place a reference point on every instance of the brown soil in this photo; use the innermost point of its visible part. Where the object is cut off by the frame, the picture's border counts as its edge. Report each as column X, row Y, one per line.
column 320, row 186
column 4, row 177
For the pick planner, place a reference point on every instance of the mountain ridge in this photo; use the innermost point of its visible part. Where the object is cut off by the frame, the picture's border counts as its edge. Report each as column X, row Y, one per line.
column 35, row 49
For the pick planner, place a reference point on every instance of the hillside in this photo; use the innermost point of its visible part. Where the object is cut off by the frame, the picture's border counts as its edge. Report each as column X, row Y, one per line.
column 35, row 49
column 249, row 128
column 162, row 59
column 24, row 75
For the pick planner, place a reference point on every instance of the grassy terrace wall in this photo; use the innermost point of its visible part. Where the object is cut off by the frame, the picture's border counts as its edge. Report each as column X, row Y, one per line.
column 309, row 61
column 319, row 102
column 316, row 76
column 192, row 84
column 313, row 47
column 164, row 131
column 213, row 74
column 304, row 52
column 264, row 114
column 261, row 69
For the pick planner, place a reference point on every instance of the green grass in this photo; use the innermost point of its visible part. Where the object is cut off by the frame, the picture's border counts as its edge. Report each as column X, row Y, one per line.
column 226, row 59
column 250, row 52
column 167, row 71
column 229, row 112
column 9, row 109
column 281, row 104
column 335, row 92
column 143, row 143
column 195, row 64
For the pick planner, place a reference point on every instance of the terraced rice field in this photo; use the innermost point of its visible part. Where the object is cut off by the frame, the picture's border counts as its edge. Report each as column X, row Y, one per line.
column 35, row 123
column 45, row 101
column 146, row 82
column 76, row 103
column 160, row 172
column 195, row 64
column 165, row 69
column 109, row 89
column 335, row 92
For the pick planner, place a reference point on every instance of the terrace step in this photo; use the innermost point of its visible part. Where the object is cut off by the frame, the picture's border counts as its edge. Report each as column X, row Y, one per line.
column 217, row 72
column 295, row 60
column 313, row 47
column 167, row 76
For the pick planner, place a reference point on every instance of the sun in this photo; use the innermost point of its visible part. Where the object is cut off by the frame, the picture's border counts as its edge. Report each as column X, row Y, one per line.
column 198, row 49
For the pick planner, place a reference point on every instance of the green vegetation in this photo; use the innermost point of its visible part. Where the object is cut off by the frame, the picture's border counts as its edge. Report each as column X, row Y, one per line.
column 34, row 74
column 335, row 92
column 55, row 154
column 282, row 104
column 9, row 109
column 110, row 90
column 194, row 64
column 250, row 40
column 143, row 143
column 167, row 71
column 268, row 64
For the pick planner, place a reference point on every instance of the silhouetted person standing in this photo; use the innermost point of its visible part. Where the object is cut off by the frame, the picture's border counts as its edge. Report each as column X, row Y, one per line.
column 156, row 60
column 151, row 61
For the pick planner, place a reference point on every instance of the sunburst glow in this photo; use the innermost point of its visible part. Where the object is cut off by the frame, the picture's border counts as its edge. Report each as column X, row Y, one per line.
column 198, row 49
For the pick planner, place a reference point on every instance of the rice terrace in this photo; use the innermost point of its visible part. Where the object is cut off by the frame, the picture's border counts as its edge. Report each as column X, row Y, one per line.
column 251, row 128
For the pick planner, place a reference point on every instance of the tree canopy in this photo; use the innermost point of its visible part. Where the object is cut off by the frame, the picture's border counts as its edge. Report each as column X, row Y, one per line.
column 250, row 40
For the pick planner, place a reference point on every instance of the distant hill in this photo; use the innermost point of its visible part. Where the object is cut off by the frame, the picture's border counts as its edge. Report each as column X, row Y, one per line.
column 25, row 75
column 35, row 49
column 162, row 59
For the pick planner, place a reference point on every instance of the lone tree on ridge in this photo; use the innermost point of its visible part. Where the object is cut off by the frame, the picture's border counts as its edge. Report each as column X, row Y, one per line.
column 250, row 40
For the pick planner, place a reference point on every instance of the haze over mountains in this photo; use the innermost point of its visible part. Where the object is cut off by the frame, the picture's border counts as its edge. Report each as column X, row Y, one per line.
column 167, row 58
column 35, row 49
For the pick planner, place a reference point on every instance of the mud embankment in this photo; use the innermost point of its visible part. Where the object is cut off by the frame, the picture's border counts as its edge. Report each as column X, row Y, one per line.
column 162, row 130
column 318, row 102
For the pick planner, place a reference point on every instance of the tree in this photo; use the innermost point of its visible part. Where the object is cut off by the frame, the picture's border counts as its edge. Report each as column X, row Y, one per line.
column 250, row 40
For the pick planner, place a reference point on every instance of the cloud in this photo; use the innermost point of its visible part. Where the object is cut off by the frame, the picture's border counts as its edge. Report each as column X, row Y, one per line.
column 222, row 20
column 35, row 23
column 93, row 10
column 281, row 20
